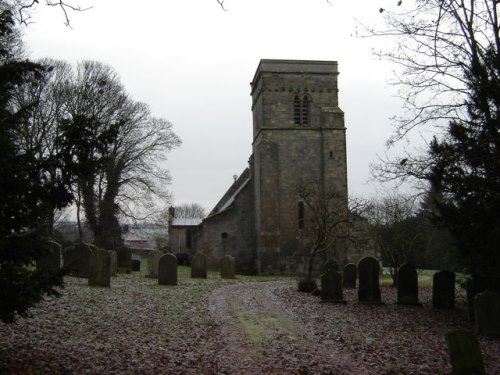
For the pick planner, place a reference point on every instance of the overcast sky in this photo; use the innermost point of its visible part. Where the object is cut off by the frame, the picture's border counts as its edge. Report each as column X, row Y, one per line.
column 192, row 63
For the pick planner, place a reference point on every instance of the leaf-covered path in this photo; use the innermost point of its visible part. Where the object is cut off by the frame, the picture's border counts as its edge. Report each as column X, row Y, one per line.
column 218, row 326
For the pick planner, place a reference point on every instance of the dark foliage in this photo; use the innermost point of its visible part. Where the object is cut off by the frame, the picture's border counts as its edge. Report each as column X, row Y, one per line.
column 24, row 191
column 466, row 174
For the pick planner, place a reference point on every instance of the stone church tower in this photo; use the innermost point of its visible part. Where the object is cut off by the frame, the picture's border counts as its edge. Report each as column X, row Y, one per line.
column 298, row 137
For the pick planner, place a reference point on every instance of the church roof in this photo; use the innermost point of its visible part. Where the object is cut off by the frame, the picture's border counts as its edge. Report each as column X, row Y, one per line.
column 181, row 222
column 228, row 199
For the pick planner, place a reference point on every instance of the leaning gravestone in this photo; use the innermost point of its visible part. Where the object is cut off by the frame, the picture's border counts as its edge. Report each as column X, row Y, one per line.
column 227, row 267
column 51, row 258
column 350, row 275
column 199, row 266
column 167, row 269
column 465, row 353
column 331, row 283
column 153, row 260
column 77, row 259
column 136, row 265
column 407, row 285
column 100, row 268
column 114, row 263
column 368, row 275
column 487, row 310
column 443, row 290
column 124, row 259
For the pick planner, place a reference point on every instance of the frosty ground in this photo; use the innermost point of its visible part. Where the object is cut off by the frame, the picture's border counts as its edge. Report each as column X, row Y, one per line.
column 251, row 325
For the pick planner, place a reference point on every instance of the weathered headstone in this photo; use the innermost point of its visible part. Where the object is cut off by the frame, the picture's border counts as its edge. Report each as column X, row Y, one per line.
column 100, row 268
column 167, row 269
column 114, row 263
column 465, row 353
column 124, row 259
column 350, row 275
column 51, row 258
column 153, row 260
column 136, row 265
column 368, row 277
column 331, row 283
column 227, row 267
column 487, row 310
column 77, row 259
column 443, row 290
column 199, row 266
column 407, row 285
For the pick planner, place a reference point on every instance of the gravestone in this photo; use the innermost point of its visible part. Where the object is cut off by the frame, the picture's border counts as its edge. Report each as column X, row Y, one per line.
column 407, row 285
column 350, row 275
column 77, row 259
column 199, row 266
column 153, row 260
column 368, row 278
column 167, row 269
column 114, row 263
column 136, row 265
column 100, row 268
column 227, row 267
column 51, row 258
column 124, row 259
column 331, row 283
column 487, row 311
column 465, row 353
column 443, row 290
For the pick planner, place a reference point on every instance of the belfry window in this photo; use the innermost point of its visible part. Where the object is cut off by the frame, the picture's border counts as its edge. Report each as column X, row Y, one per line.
column 301, row 110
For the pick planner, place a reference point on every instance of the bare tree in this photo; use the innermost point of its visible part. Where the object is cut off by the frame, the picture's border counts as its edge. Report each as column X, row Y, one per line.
column 190, row 211
column 324, row 221
column 394, row 227
column 118, row 148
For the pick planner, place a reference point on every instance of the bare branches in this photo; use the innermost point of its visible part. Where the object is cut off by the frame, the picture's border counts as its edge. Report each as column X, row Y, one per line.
column 221, row 3
column 23, row 8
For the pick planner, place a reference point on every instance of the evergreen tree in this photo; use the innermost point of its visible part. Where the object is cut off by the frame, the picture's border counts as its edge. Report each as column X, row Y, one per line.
column 24, row 190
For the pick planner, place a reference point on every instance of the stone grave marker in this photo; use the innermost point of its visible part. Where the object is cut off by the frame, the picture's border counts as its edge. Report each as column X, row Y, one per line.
column 465, row 353
column 331, row 283
column 52, row 258
column 124, row 259
column 443, row 290
column 350, row 275
column 407, row 285
column 368, row 278
column 77, row 259
column 487, row 311
column 199, row 266
column 153, row 260
column 136, row 265
column 167, row 269
column 114, row 263
column 227, row 267
column 100, row 268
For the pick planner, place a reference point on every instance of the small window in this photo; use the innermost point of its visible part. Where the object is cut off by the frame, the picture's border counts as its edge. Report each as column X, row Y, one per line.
column 301, row 215
column 304, row 111
column 296, row 110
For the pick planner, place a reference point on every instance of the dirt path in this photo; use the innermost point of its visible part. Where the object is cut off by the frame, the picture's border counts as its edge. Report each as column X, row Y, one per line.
column 260, row 336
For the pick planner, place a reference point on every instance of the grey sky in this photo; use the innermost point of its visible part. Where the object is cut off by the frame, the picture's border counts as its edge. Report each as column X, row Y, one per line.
column 192, row 63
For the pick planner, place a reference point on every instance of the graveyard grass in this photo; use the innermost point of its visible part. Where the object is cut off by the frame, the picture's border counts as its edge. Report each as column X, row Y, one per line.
column 252, row 325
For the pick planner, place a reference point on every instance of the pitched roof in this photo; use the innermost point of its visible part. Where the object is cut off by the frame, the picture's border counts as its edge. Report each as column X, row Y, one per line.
column 181, row 222
column 228, row 199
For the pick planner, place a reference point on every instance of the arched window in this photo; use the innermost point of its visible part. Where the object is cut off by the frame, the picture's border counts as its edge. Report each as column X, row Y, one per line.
column 301, row 110
column 301, row 216
column 296, row 110
column 304, row 111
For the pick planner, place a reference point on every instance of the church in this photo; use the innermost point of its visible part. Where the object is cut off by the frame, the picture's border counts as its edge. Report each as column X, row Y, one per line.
column 298, row 136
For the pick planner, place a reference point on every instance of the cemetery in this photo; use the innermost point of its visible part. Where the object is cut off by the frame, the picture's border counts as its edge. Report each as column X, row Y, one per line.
column 168, row 318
